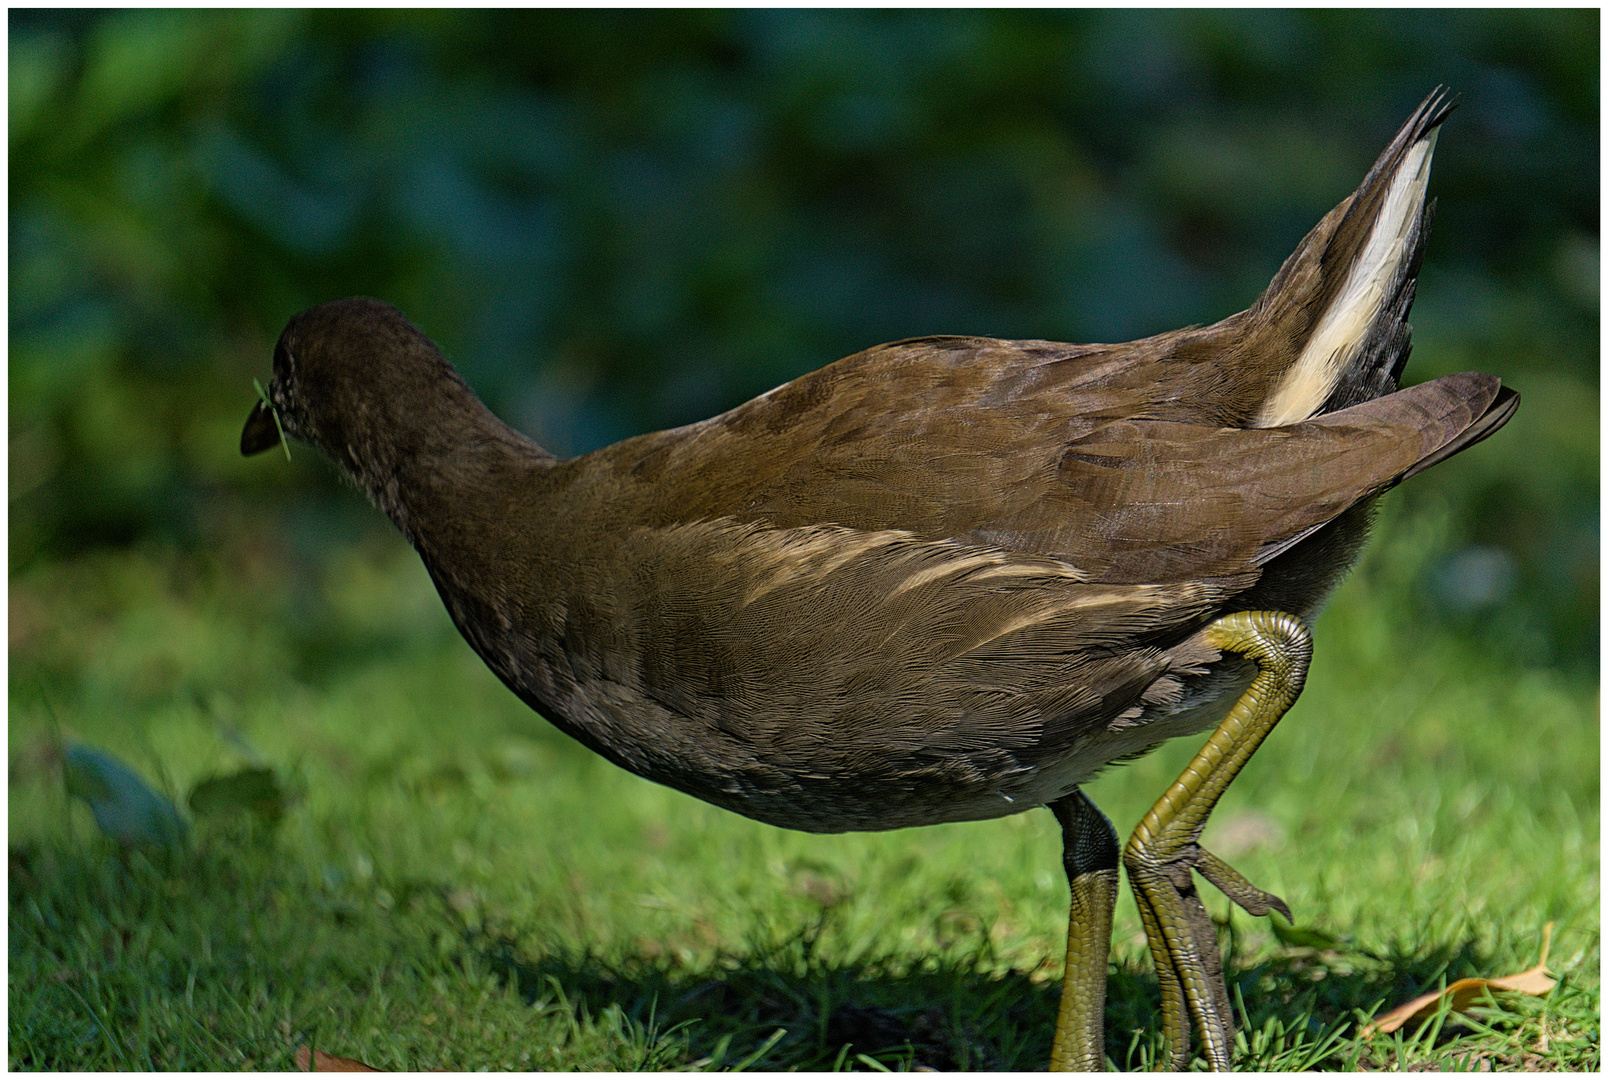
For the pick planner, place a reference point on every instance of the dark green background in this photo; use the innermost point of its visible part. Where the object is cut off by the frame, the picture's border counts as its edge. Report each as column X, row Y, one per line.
column 616, row 221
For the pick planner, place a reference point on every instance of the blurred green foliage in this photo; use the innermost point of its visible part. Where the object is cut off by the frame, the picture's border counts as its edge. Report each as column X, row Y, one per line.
column 621, row 220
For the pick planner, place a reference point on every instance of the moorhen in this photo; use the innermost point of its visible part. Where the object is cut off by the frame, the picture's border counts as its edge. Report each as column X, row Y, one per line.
column 945, row 579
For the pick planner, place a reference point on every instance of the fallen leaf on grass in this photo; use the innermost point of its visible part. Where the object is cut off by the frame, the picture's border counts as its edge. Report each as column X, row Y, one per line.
column 1304, row 937
column 253, row 791
column 1467, row 992
column 126, row 808
column 322, row 1062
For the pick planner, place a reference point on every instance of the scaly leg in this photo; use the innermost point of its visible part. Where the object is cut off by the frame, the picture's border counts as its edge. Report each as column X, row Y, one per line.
column 1090, row 855
column 1165, row 848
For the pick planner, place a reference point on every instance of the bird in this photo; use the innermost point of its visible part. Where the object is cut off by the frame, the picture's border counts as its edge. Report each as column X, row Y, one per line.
column 945, row 579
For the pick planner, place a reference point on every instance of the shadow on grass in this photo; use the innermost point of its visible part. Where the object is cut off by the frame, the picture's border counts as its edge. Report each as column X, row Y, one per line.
column 244, row 944
column 782, row 1007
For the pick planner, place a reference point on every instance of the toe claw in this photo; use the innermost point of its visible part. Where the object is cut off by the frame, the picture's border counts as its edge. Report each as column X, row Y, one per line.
column 1232, row 884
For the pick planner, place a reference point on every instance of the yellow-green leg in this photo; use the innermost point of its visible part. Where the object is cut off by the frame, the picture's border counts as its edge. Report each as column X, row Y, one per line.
column 1089, row 852
column 1165, row 848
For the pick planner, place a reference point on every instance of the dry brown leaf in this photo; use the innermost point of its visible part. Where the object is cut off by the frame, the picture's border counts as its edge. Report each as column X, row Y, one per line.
column 322, row 1062
column 1467, row 992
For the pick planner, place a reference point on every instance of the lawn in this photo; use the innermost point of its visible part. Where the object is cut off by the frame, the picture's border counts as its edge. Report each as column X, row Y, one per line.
column 452, row 884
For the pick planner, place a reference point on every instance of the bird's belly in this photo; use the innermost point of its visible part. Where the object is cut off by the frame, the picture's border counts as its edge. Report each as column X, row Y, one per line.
column 830, row 680
column 795, row 776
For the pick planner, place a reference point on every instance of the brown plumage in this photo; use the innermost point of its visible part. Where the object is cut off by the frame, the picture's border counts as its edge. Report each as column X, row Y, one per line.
column 943, row 579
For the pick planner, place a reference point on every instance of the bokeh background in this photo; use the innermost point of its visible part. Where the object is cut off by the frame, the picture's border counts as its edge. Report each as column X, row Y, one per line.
column 618, row 221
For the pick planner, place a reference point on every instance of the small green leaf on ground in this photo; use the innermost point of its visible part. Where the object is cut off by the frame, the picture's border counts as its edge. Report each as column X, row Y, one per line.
column 1304, row 937
column 251, row 791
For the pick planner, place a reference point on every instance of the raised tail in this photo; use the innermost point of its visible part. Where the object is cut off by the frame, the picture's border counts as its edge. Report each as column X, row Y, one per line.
column 1342, row 298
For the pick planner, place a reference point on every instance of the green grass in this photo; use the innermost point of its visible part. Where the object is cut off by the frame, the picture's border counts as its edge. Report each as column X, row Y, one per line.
column 455, row 885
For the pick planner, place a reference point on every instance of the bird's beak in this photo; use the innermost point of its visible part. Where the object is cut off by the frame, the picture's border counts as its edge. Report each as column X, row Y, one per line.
column 261, row 432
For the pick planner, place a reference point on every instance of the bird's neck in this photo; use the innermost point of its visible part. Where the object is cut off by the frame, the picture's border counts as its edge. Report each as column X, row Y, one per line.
column 450, row 473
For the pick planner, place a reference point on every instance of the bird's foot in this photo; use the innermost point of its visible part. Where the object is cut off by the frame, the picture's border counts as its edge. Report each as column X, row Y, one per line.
column 1165, row 849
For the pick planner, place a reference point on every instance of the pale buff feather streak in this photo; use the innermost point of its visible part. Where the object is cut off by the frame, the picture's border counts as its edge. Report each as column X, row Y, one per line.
column 1344, row 328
